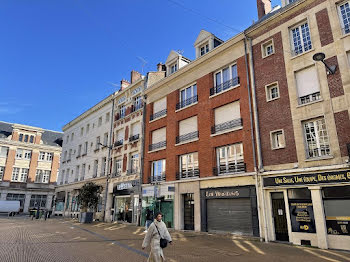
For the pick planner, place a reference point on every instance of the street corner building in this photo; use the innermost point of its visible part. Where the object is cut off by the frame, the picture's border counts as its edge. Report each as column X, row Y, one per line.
column 29, row 163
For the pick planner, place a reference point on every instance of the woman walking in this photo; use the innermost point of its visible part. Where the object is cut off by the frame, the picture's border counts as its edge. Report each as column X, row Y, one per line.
column 156, row 231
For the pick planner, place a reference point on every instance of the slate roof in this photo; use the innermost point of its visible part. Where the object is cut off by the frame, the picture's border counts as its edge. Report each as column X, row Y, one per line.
column 50, row 138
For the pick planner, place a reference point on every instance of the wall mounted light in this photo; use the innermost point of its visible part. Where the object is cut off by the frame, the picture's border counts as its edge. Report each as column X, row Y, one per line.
column 319, row 57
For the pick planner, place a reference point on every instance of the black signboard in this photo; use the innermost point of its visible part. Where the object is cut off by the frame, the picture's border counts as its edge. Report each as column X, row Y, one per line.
column 309, row 179
column 302, row 216
column 338, row 225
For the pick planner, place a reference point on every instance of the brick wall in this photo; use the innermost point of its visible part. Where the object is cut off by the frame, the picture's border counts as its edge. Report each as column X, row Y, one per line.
column 342, row 123
column 32, row 167
column 9, row 164
column 324, row 27
column 54, row 168
column 335, row 83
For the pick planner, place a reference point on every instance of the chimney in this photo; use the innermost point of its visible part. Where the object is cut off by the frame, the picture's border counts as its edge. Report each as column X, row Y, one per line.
column 124, row 84
column 160, row 67
column 264, row 7
column 135, row 76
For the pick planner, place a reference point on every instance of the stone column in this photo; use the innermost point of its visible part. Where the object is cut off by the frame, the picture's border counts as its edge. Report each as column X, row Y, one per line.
column 320, row 220
column 108, row 207
column 49, row 202
column 27, row 202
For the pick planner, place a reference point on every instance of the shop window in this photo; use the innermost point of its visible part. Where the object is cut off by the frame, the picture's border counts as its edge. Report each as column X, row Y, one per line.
column 38, row 200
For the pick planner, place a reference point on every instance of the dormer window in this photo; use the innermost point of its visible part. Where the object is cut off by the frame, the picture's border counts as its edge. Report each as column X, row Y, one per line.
column 204, row 49
column 173, row 68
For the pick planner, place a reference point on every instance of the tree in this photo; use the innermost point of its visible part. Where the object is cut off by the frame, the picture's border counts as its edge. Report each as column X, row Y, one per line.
column 88, row 196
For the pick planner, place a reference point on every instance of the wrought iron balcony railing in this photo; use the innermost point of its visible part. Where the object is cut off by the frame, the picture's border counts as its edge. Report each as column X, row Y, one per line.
column 309, row 98
column 157, row 179
column 187, row 137
column 158, row 114
column 231, row 168
column 116, row 174
column 132, row 171
column 227, row 125
column 186, row 102
column 134, row 138
column 118, row 143
column 157, row 146
column 226, row 85
column 187, row 174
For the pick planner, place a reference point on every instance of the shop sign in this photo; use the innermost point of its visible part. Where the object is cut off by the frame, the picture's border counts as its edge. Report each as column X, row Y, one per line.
column 302, row 216
column 338, row 225
column 124, row 185
column 311, row 179
column 226, row 192
column 148, row 191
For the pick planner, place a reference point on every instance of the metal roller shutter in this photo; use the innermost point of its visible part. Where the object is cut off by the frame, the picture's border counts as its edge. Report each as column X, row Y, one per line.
column 230, row 215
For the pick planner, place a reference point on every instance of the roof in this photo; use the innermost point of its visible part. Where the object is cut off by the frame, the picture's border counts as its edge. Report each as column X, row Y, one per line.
column 173, row 55
column 50, row 138
column 204, row 35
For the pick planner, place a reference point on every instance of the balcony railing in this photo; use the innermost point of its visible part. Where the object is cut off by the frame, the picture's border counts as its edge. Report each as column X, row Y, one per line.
column 186, row 102
column 187, row 137
column 132, row 171
column 226, row 85
column 187, row 174
column 309, row 98
column 82, row 178
column 158, row 114
column 134, row 138
column 157, row 145
column 157, row 179
column 116, row 174
column 136, row 107
column 227, row 125
column 229, row 169
column 118, row 143
column 75, row 179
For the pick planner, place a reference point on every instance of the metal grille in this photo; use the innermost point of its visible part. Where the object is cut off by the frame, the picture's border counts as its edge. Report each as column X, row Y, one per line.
column 155, row 179
column 227, row 125
column 309, row 98
column 118, row 143
column 158, row 114
column 187, row 137
column 134, row 137
column 157, row 145
column 187, row 174
column 186, row 102
column 226, row 85
column 231, row 168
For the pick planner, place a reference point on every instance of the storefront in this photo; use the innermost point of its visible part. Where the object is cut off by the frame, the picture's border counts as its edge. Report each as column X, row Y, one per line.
column 230, row 209
column 309, row 209
column 159, row 198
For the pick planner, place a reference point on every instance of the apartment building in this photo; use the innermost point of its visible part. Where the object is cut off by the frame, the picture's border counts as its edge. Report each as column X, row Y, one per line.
column 85, row 150
column 29, row 162
column 303, row 120
column 199, row 163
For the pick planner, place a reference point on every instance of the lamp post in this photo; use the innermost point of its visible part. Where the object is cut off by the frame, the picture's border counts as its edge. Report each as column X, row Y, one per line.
column 319, row 57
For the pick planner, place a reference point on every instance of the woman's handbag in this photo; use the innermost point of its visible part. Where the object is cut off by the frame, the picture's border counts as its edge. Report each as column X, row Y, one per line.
column 163, row 241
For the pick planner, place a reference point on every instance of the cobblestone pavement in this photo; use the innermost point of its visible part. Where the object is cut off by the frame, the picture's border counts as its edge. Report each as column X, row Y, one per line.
column 59, row 240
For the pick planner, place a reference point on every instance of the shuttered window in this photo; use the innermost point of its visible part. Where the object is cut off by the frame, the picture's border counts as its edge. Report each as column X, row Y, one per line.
column 159, row 105
column 308, row 86
column 159, row 135
column 188, row 125
column 227, row 113
column 136, row 128
column 120, row 135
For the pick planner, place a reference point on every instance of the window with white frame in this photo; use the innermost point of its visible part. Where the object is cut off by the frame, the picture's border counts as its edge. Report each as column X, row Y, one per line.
column 204, row 49
column 120, row 136
column 227, row 118
column 103, row 166
column 230, row 159
column 188, row 96
column 122, row 111
column 268, row 48
column 19, row 174
column 136, row 129
column 2, row 172
column 83, row 170
column 137, row 103
column 72, row 137
column 189, row 165
column 87, row 128
column 98, row 141
column 4, row 151
column 42, row 176
column 45, row 156
column 77, row 169
column 95, row 168
column 49, row 156
column 105, row 139
column 158, row 170
column 100, row 121
column 70, row 154
column 173, row 68
column 344, row 15
column 62, row 176
column 42, row 156
column 134, row 163
column 272, row 92
column 118, row 165
column 308, row 85
column 23, row 154
column 316, row 138
column 277, row 139
column 19, row 153
column 108, row 116
column 85, row 148
column 79, row 150
column 67, row 176
column 300, row 38
column 81, row 131
column 224, row 79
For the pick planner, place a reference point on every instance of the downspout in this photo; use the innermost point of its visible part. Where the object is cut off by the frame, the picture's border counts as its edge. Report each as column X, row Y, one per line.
column 259, row 165
column 110, row 146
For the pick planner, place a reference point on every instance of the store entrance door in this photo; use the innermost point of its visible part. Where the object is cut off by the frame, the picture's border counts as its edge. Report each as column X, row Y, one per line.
column 188, row 212
column 279, row 216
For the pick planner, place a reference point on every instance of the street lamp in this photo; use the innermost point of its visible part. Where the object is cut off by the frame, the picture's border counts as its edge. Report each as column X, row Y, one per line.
column 319, row 57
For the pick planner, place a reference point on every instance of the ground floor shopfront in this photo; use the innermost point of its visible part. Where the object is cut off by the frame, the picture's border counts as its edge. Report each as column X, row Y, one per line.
column 309, row 208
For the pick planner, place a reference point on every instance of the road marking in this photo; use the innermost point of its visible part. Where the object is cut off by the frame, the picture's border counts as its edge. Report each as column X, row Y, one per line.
column 238, row 244
column 258, row 250
column 335, row 254
column 319, row 255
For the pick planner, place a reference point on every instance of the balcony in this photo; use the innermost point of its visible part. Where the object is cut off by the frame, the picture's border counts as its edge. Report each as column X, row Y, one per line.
column 118, row 143
column 187, row 102
column 231, row 168
column 136, row 107
column 116, row 174
column 224, row 86
column 157, row 179
column 227, row 126
column 158, row 114
column 132, row 171
column 309, row 98
column 187, row 137
column 134, row 138
column 156, row 146
column 187, row 174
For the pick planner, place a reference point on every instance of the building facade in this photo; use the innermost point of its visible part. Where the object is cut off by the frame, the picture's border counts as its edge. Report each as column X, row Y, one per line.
column 85, row 149
column 29, row 163
column 303, row 118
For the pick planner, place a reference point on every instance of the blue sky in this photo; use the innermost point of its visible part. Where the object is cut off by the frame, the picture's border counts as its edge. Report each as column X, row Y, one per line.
column 58, row 57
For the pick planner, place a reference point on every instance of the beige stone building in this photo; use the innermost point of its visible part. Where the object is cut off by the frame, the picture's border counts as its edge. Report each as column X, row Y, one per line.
column 29, row 162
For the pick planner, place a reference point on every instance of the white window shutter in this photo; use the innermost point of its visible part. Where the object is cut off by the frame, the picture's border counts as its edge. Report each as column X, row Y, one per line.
column 159, row 105
column 307, row 81
column 159, row 135
column 136, row 128
column 120, row 134
column 188, row 125
column 227, row 113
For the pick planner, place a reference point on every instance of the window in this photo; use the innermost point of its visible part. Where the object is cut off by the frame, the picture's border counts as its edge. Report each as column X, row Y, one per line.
column 119, row 136
column 97, row 146
column 277, row 139
column 87, row 128
column 103, row 166
column 67, row 140
column 85, row 148
column 272, row 92
column 43, row 176
column 70, row 155
column 344, row 14
column 188, row 96
column 173, row 68
column 23, row 154
column 42, row 156
column 204, row 49
column 45, row 156
column 65, row 156
column 19, row 174
column 26, row 138
column 134, row 163
column 159, row 108
column 82, row 175
column 2, row 172
column 189, row 165
column 224, row 79
column 105, row 139
column 4, row 151
column 37, row 201
column 316, row 138
column 100, row 121
column 117, row 167
column 79, row 150
column 31, row 139
column 137, row 103
column 122, row 110
column 268, row 48
column 19, row 153
column 227, row 117
column 72, row 137
column 62, row 176
column 77, row 169
column 136, row 129
column 158, row 139
column 230, row 159
column 301, row 39
column 19, row 197
column 158, row 170
column 49, row 157
column 308, row 85
column 108, row 116
column 20, row 137
column 82, row 131
column 67, row 176
column 95, row 168
column 188, row 130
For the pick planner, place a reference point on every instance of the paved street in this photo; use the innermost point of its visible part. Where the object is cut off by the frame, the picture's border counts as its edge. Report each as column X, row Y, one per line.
column 66, row 240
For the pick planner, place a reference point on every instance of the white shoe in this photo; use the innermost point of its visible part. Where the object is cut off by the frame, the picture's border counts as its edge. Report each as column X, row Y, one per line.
column 145, row 231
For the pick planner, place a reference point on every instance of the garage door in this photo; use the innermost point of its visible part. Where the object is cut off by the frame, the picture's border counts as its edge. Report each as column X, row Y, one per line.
column 230, row 215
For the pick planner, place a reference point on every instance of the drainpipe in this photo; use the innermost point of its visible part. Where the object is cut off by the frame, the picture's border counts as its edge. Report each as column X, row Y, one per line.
column 110, row 146
column 259, row 165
